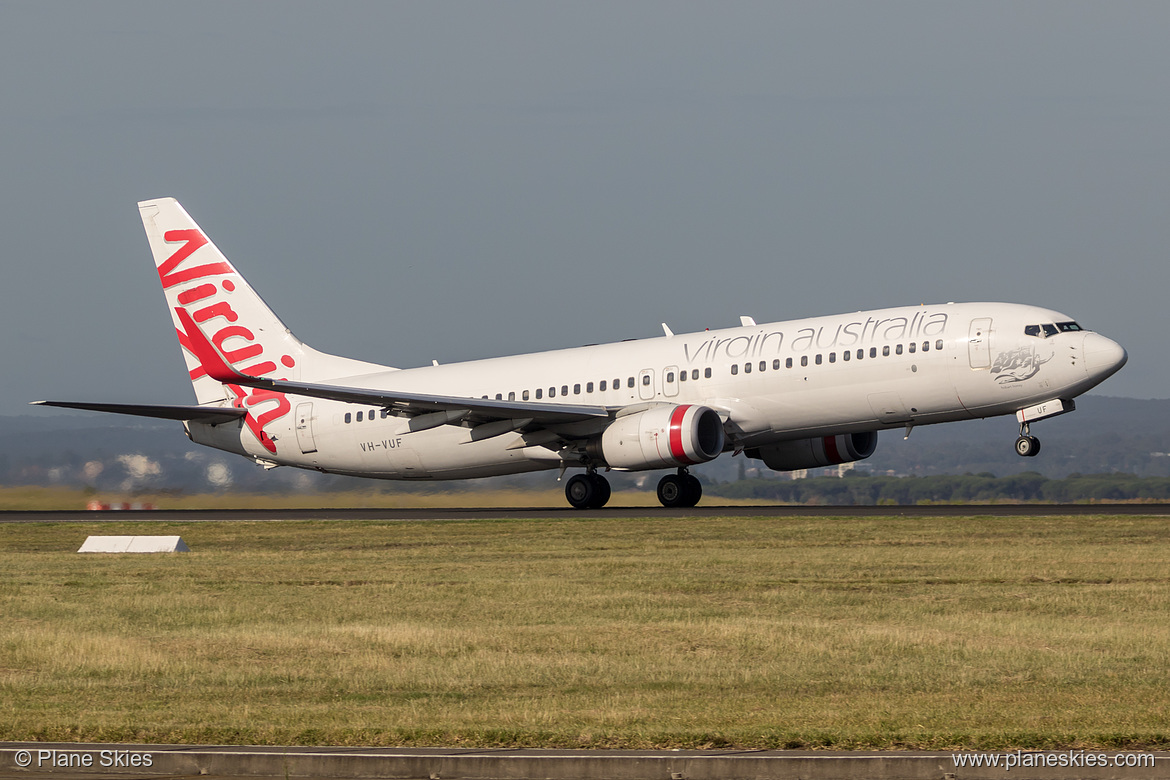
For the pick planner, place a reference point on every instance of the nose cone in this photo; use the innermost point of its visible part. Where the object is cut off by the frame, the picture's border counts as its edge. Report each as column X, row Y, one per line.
column 1103, row 357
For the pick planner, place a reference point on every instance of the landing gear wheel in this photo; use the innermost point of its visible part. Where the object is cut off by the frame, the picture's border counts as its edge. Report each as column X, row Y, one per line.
column 694, row 489
column 603, row 491
column 1027, row 446
column 679, row 490
column 672, row 491
column 587, row 491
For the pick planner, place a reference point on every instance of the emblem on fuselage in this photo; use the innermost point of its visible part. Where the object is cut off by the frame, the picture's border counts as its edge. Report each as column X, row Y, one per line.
column 1018, row 365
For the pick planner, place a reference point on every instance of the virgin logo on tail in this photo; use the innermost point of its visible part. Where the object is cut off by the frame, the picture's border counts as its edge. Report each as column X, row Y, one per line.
column 203, row 300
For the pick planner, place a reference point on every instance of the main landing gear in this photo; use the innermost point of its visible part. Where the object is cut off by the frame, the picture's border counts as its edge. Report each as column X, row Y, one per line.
column 1027, row 446
column 591, row 490
column 587, row 491
column 679, row 490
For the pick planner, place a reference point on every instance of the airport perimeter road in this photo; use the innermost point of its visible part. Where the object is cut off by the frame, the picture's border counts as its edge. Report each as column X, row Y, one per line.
column 389, row 515
column 82, row 761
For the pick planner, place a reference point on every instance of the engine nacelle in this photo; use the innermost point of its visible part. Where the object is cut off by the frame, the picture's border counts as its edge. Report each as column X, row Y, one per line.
column 662, row 437
column 813, row 453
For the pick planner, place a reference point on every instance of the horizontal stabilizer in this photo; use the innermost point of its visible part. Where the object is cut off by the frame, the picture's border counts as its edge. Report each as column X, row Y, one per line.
column 203, row 414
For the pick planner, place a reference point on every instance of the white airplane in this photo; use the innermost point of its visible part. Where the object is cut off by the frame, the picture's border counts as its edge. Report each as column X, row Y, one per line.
column 796, row 394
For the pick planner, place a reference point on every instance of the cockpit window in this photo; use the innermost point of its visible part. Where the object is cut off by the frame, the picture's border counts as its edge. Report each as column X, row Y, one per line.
column 1047, row 329
column 1065, row 327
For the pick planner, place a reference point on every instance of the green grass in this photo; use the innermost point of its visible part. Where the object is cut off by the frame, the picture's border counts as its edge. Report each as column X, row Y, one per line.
column 988, row 633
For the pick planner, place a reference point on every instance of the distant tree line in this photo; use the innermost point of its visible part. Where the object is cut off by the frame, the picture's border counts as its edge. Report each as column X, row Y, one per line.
column 959, row 489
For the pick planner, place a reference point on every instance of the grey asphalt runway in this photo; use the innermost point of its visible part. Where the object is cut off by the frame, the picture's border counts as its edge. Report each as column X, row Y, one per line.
column 271, row 515
column 69, row 762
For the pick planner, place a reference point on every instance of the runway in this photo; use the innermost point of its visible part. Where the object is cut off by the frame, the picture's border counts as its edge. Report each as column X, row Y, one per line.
column 632, row 513
column 68, row 761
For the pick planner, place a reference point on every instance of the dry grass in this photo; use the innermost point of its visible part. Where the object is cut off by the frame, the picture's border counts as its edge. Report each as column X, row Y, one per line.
column 927, row 632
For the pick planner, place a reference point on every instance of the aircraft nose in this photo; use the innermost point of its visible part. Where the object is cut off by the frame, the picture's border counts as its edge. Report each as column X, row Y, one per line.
column 1103, row 357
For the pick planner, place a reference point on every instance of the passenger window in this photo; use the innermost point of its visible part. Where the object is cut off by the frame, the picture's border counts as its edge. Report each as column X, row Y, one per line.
column 695, row 374
column 359, row 416
column 602, row 386
column 938, row 344
column 763, row 365
column 588, row 387
column 539, row 393
column 706, row 373
column 577, row 389
column 913, row 347
column 669, row 377
column 926, row 346
column 734, row 369
column 873, row 352
column 818, row 358
column 898, row 350
column 804, row 360
column 372, row 415
column 512, row 396
column 846, row 355
column 630, row 382
column 499, row 397
column 747, row 368
column 788, row 362
column 860, row 354
column 552, row 392
column 682, row 376
column 525, row 396
column 564, row 389
column 776, row 364
column 886, row 351
column 832, row 357
column 347, row 418
column 646, row 380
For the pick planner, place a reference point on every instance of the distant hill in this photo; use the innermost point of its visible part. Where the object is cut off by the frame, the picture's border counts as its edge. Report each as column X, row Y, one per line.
column 1103, row 435
column 115, row 453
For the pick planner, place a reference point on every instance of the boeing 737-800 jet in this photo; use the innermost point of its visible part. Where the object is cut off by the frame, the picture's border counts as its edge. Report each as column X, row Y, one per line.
column 796, row 394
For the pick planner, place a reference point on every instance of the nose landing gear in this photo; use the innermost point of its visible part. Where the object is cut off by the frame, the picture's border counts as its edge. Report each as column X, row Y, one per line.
column 1027, row 446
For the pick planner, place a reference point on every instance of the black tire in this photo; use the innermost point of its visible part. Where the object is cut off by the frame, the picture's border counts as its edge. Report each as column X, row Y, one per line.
column 581, row 491
column 672, row 491
column 694, row 489
column 1027, row 446
column 602, row 486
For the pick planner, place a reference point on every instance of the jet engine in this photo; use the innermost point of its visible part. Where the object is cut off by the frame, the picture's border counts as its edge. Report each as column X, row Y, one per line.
column 662, row 437
column 813, row 453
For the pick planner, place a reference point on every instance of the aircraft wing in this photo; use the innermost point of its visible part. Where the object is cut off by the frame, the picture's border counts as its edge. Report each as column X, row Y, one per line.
column 204, row 414
column 456, row 407
column 422, row 403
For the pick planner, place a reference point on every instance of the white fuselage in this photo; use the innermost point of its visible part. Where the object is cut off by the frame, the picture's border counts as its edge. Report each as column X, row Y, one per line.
column 771, row 383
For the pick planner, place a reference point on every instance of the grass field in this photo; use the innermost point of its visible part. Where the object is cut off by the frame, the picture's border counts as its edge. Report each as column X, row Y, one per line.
column 987, row 633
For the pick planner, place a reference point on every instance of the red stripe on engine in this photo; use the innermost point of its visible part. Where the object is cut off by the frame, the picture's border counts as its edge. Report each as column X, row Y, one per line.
column 832, row 451
column 676, row 443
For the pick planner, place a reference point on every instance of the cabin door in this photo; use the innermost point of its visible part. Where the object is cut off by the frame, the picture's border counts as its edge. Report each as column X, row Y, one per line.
column 979, row 343
column 305, row 427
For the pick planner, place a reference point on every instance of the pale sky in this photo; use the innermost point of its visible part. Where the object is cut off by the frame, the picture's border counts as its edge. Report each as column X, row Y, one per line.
column 405, row 182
